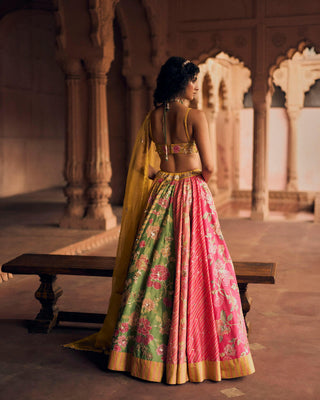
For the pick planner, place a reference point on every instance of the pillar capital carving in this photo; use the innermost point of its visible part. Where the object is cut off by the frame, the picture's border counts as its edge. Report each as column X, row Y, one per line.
column 72, row 67
column 151, row 80
column 211, row 114
column 98, row 66
column 293, row 112
column 236, row 113
column 134, row 81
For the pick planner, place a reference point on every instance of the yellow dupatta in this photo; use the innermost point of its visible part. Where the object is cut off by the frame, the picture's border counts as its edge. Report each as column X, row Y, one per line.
column 136, row 194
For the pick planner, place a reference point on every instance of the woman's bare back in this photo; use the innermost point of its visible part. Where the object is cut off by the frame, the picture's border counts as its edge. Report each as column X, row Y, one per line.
column 175, row 134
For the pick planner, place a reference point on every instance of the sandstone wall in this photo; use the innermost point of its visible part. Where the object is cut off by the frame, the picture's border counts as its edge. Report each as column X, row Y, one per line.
column 32, row 98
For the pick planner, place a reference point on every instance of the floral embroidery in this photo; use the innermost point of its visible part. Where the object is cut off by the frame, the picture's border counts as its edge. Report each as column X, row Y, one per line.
column 148, row 304
column 152, row 232
column 229, row 352
column 124, row 327
column 142, row 263
column 116, row 347
column 160, row 273
column 122, row 341
column 161, row 351
column 144, row 326
column 154, row 284
column 144, row 339
column 166, row 251
column 163, row 203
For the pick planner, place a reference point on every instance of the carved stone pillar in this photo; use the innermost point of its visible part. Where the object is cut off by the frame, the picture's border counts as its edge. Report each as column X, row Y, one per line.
column 99, row 213
column 74, row 163
column 260, row 196
column 292, row 179
column 135, row 108
column 211, row 116
column 236, row 150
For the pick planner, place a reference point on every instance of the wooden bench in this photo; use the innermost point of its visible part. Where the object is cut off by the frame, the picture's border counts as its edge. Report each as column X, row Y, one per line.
column 48, row 266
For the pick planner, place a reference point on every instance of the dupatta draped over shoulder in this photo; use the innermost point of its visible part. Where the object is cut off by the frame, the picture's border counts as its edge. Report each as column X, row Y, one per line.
column 136, row 195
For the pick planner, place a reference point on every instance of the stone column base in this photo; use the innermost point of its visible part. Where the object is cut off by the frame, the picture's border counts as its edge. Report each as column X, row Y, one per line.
column 102, row 223
column 68, row 222
column 259, row 215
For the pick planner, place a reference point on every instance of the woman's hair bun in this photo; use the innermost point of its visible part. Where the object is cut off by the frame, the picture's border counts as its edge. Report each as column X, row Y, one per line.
column 173, row 78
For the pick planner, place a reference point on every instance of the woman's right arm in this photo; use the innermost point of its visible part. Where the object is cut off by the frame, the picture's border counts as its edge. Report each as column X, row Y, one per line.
column 201, row 136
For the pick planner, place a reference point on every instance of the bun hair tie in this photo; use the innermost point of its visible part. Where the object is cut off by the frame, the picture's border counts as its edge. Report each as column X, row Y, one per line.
column 185, row 63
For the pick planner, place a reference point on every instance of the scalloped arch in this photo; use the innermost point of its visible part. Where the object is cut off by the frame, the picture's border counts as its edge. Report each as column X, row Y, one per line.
column 203, row 76
column 301, row 45
column 214, row 52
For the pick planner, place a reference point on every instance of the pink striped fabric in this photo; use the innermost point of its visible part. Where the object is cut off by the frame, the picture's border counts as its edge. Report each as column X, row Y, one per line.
column 207, row 322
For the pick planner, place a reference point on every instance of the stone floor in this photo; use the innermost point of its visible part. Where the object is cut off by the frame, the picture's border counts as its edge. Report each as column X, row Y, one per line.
column 284, row 318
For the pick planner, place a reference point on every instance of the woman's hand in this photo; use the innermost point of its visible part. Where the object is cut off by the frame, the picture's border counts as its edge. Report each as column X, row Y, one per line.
column 152, row 172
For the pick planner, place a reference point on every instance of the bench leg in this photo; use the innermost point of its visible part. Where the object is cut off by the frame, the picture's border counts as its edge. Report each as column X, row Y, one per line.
column 48, row 294
column 245, row 302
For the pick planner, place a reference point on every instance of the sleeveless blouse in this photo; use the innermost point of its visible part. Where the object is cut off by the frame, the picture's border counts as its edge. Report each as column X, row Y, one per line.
column 188, row 147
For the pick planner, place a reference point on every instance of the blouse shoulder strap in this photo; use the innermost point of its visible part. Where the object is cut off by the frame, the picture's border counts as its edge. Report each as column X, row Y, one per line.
column 186, row 124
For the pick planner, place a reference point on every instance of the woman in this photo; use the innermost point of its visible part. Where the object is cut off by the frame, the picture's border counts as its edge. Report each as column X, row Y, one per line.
column 180, row 312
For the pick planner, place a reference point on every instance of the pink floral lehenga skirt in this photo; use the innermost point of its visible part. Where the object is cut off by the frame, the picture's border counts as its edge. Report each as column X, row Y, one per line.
column 181, row 313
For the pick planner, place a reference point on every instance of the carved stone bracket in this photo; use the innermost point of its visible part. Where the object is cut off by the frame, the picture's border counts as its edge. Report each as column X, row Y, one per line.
column 101, row 16
column 158, row 30
column 60, row 25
